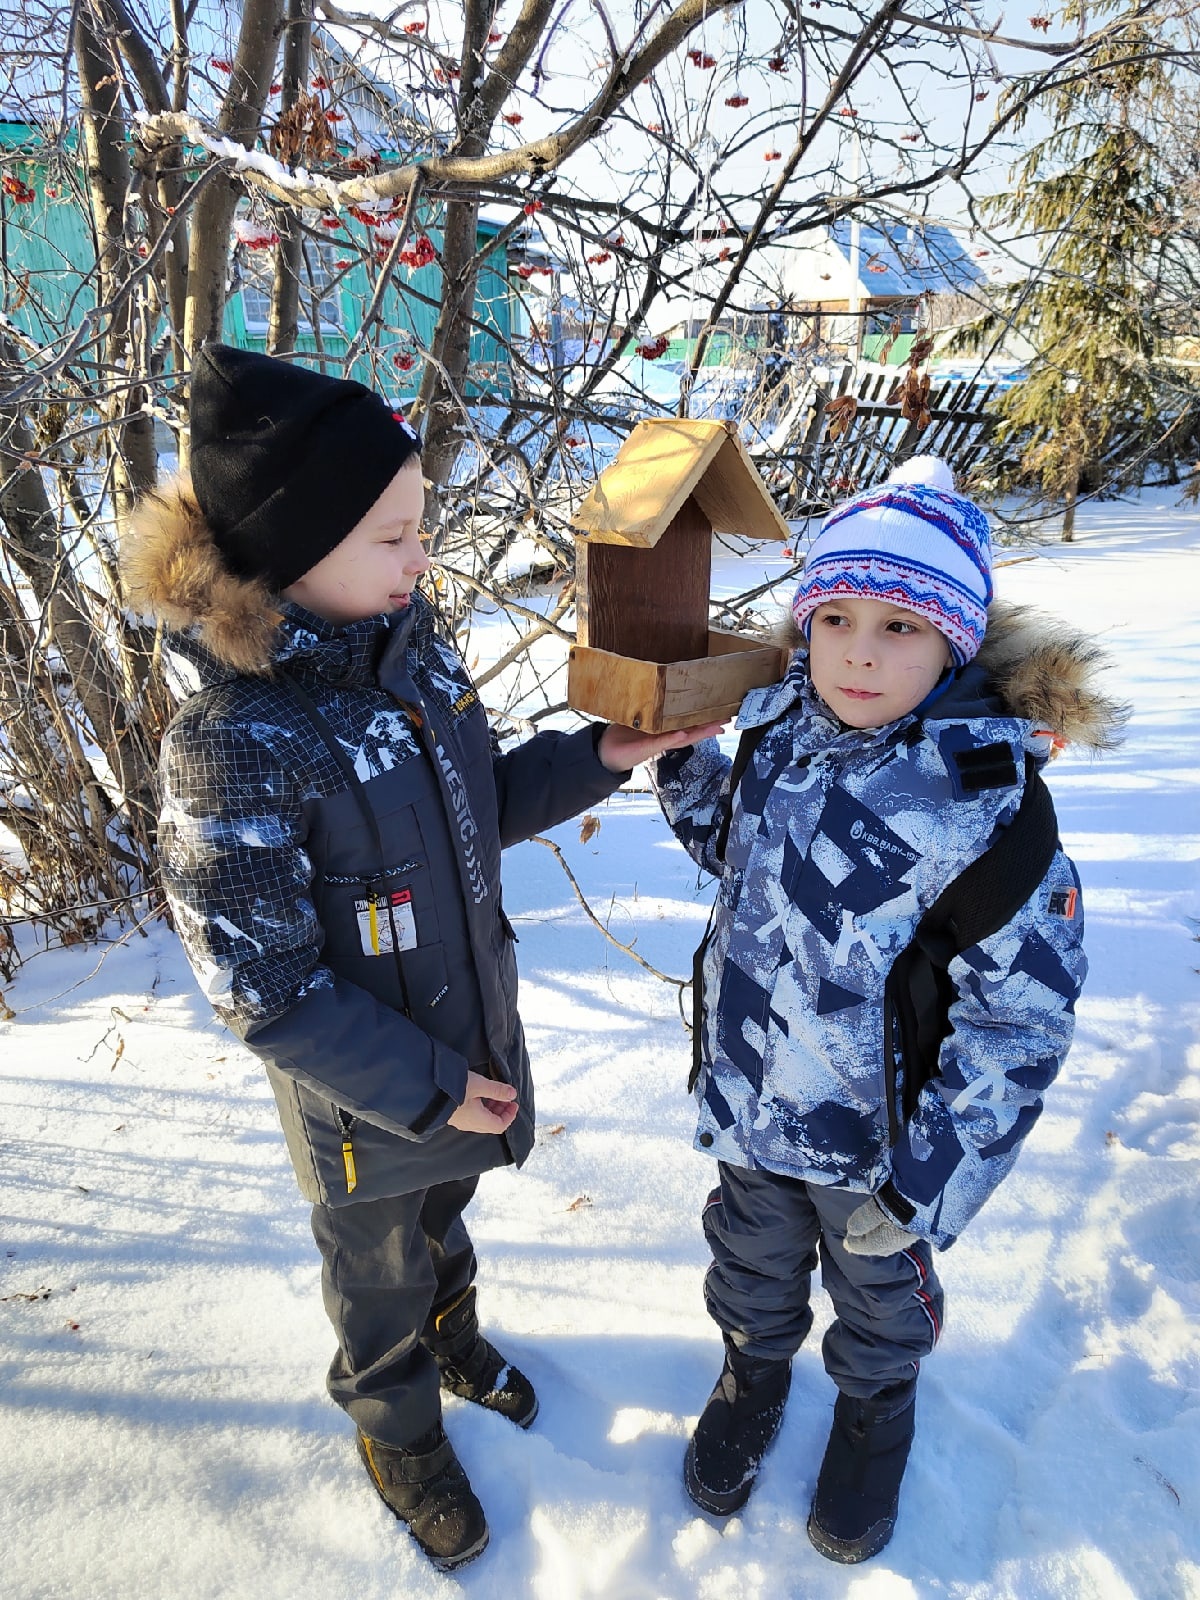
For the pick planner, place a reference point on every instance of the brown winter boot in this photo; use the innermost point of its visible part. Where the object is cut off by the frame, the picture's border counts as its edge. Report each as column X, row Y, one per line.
column 424, row 1485
column 474, row 1369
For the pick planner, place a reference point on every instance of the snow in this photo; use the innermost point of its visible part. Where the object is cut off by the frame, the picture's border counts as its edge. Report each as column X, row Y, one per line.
column 163, row 1424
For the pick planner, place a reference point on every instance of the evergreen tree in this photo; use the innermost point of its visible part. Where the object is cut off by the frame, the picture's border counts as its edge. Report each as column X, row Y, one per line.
column 1095, row 192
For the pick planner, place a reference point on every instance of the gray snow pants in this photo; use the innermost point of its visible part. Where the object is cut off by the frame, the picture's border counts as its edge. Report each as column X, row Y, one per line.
column 389, row 1264
column 766, row 1233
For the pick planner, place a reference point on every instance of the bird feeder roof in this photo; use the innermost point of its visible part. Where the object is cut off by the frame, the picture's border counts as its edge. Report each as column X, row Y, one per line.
column 661, row 464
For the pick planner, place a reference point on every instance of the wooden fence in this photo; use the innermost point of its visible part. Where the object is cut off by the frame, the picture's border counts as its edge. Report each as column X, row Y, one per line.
column 825, row 457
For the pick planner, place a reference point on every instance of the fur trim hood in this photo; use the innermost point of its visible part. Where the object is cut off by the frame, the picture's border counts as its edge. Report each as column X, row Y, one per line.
column 1041, row 670
column 173, row 571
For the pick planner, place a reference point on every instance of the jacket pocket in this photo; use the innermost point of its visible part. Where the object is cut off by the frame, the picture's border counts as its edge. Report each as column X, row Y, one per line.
column 377, row 917
column 412, row 981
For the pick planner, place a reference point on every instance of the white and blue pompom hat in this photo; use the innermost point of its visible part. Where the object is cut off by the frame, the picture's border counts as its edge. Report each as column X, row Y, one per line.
column 912, row 542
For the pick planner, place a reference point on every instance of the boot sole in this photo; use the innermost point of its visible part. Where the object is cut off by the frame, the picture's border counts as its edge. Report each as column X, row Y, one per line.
column 850, row 1551
column 452, row 1563
column 713, row 1501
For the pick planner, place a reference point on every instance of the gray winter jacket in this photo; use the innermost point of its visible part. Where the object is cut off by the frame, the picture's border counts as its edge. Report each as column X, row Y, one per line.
column 367, row 984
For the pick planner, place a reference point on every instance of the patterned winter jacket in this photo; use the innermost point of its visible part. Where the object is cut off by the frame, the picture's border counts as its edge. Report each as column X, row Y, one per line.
column 839, row 840
column 352, row 933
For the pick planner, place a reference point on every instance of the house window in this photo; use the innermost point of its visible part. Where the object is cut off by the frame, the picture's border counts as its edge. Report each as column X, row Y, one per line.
column 316, row 277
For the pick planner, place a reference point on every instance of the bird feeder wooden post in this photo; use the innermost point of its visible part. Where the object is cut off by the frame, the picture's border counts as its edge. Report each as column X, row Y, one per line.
column 645, row 655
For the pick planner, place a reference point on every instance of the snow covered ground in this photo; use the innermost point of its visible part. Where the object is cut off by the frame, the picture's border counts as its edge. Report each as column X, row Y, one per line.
column 163, row 1424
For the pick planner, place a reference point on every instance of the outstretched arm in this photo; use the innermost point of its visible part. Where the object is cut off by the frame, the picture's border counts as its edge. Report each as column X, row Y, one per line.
column 552, row 776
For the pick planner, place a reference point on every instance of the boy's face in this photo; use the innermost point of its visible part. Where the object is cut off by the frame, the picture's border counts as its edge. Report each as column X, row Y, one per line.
column 872, row 662
column 377, row 564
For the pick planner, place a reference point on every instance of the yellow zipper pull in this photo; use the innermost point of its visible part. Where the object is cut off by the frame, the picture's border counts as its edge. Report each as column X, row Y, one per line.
column 348, row 1161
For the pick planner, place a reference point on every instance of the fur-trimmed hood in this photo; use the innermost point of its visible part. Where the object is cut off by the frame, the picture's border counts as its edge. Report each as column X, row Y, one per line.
column 173, row 571
column 1038, row 668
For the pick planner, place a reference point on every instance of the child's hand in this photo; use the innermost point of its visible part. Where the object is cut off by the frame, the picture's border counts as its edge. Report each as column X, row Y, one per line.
column 489, row 1107
column 622, row 748
column 871, row 1232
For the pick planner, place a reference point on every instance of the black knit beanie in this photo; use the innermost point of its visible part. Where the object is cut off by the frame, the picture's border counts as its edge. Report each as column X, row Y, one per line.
column 285, row 461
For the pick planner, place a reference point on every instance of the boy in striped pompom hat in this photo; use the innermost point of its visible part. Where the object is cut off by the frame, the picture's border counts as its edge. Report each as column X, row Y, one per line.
column 891, row 756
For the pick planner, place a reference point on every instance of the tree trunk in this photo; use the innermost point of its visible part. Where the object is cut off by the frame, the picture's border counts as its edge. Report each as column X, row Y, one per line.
column 284, row 328
column 212, row 220
column 438, row 411
column 1068, row 521
column 109, row 178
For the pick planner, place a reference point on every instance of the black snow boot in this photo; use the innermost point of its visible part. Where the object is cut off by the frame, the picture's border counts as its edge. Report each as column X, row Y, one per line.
column 858, row 1488
column 736, row 1430
column 425, row 1486
column 474, row 1369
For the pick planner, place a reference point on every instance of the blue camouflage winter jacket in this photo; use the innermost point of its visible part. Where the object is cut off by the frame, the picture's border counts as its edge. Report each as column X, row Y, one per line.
column 839, row 840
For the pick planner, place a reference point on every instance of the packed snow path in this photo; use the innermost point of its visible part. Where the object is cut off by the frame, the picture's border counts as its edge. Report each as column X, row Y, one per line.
column 163, row 1425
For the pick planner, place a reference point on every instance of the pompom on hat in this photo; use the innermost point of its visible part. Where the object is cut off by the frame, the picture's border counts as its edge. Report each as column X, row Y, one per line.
column 912, row 542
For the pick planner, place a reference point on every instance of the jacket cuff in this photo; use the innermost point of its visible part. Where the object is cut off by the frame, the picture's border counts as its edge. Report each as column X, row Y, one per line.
column 894, row 1205
column 450, row 1075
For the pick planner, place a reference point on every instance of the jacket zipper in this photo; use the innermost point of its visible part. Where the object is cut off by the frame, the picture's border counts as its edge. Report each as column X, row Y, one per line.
column 346, row 1124
column 890, row 1074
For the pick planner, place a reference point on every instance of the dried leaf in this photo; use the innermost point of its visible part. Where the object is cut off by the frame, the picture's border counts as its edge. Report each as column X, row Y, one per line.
column 920, row 352
column 893, row 333
column 589, row 827
column 580, row 1203
column 839, row 414
column 559, row 1127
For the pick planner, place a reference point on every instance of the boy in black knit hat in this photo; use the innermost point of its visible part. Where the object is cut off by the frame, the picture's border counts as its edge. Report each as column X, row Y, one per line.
column 333, row 812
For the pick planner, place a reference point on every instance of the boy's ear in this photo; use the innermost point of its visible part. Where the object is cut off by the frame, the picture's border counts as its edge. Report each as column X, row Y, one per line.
column 171, row 568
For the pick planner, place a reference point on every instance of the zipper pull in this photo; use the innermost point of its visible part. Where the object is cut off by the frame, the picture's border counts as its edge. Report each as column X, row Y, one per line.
column 348, row 1163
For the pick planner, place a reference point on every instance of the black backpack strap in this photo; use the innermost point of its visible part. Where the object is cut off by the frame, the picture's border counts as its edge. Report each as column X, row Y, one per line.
column 743, row 755
column 997, row 884
column 972, row 907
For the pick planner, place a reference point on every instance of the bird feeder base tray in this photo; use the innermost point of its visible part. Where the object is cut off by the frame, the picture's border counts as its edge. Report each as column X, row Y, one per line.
column 658, row 696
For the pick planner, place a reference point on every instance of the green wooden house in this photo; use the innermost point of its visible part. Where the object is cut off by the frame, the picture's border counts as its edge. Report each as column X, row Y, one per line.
column 47, row 247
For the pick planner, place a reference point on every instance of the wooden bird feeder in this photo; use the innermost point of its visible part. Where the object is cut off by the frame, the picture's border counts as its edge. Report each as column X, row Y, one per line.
column 646, row 656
